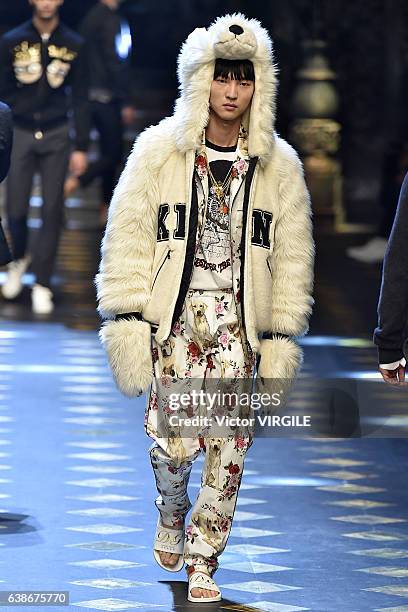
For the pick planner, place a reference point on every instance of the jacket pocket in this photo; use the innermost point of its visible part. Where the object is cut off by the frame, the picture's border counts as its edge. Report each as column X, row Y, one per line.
column 167, row 256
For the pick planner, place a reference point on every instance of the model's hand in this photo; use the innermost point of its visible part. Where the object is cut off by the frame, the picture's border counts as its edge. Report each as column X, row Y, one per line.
column 128, row 115
column 78, row 163
column 394, row 377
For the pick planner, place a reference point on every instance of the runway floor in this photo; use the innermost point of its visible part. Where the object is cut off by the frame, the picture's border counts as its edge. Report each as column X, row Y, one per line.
column 321, row 524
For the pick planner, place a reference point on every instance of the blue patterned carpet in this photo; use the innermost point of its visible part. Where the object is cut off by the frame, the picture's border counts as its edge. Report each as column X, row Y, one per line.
column 321, row 524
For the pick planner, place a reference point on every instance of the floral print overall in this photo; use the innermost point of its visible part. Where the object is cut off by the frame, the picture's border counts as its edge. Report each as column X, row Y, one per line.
column 206, row 342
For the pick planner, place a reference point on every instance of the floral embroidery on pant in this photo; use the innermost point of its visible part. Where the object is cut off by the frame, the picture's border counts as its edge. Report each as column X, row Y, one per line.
column 206, row 343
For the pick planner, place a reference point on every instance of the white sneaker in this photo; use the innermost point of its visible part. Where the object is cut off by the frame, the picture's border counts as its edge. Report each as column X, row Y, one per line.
column 13, row 284
column 41, row 300
column 371, row 252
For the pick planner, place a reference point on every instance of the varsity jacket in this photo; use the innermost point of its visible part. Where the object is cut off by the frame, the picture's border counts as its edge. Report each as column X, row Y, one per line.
column 35, row 73
column 148, row 246
column 391, row 334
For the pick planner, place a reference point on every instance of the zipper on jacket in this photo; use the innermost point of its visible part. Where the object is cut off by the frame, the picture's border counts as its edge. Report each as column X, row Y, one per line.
column 248, row 191
column 42, row 85
column 269, row 266
column 231, row 249
column 167, row 256
column 195, row 244
column 190, row 249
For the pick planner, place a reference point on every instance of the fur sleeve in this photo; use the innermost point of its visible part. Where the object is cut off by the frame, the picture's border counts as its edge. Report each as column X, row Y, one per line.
column 123, row 280
column 293, row 254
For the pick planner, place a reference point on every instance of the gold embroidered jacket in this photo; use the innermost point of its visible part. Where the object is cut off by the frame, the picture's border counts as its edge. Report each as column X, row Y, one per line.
column 35, row 75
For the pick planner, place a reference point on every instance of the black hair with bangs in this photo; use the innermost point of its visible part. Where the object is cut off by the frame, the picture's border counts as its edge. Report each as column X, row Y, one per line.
column 235, row 69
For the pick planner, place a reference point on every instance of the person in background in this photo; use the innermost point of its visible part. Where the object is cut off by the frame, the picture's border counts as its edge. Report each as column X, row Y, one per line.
column 391, row 335
column 38, row 60
column 394, row 168
column 6, row 141
column 108, row 45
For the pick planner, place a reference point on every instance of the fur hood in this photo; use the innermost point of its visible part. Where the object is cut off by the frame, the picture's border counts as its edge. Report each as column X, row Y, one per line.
column 247, row 40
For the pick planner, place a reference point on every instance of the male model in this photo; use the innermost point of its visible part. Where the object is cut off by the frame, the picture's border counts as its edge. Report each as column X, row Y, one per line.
column 108, row 45
column 38, row 61
column 209, row 248
column 391, row 335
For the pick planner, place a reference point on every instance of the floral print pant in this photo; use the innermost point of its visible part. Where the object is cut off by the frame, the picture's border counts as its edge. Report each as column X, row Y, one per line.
column 199, row 347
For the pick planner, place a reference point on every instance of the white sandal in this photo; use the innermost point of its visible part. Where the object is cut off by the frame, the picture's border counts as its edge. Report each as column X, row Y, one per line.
column 201, row 580
column 171, row 541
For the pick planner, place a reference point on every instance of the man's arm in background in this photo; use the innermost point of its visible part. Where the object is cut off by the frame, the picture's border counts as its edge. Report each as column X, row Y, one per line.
column 393, row 302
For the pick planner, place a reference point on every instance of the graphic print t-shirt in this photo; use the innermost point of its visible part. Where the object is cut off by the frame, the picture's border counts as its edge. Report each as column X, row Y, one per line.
column 212, row 263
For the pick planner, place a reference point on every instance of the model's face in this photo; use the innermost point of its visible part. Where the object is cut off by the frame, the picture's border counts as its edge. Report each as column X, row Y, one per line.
column 46, row 9
column 229, row 98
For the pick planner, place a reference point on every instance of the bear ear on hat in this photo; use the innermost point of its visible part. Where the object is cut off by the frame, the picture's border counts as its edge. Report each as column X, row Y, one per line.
column 196, row 50
column 198, row 38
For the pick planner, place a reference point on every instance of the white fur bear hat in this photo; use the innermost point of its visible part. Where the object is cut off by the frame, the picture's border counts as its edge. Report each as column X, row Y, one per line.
column 232, row 37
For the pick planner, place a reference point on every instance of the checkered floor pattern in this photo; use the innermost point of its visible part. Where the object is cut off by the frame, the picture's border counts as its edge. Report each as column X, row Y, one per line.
column 321, row 524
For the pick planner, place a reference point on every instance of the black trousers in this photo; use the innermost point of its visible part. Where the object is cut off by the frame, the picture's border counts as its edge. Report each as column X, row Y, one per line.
column 107, row 119
column 49, row 156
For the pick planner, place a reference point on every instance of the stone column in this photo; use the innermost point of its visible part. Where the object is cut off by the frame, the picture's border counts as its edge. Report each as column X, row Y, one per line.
column 316, row 134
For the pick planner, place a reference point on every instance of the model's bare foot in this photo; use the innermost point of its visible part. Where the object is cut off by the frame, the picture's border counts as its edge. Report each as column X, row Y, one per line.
column 70, row 185
column 167, row 558
column 198, row 592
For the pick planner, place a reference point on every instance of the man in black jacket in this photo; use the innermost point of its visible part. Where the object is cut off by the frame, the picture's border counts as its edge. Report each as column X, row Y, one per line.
column 38, row 61
column 108, row 44
column 6, row 141
column 391, row 335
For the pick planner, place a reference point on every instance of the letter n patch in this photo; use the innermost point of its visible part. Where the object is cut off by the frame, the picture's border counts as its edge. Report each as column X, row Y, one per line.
column 261, row 223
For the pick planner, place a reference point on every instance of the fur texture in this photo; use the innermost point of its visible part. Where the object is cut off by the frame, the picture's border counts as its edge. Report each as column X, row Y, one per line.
column 280, row 358
column 278, row 281
column 127, row 343
column 196, row 69
column 128, row 245
column 293, row 253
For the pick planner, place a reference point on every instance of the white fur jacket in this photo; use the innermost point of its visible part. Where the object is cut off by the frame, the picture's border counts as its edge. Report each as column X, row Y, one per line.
column 143, row 267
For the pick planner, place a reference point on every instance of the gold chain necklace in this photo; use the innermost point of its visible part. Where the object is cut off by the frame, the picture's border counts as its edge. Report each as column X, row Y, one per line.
column 220, row 189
